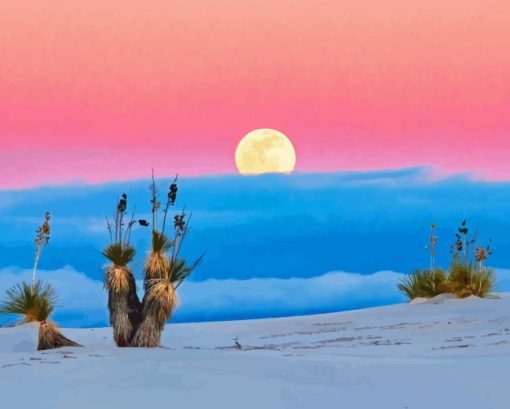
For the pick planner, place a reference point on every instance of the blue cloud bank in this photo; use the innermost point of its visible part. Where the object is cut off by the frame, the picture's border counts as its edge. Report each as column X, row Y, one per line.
column 82, row 300
column 275, row 237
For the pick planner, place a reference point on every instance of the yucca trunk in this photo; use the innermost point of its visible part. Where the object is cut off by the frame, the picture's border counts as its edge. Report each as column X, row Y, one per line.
column 50, row 337
column 158, row 303
column 148, row 334
column 123, row 304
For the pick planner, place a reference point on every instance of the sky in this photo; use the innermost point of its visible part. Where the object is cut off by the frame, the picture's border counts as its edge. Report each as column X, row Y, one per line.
column 104, row 90
column 398, row 112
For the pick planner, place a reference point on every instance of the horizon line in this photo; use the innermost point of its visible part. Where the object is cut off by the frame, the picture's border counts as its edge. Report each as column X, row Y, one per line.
column 432, row 173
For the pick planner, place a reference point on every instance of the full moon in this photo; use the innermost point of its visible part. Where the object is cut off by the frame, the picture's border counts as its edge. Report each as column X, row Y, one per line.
column 265, row 151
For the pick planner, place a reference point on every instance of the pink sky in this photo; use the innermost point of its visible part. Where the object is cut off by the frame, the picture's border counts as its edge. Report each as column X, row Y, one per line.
column 96, row 92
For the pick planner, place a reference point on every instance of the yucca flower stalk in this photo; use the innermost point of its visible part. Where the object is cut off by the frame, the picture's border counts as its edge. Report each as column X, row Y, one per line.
column 482, row 254
column 171, row 198
column 42, row 238
column 123, row 303
column 463, row 231
column 34, row 303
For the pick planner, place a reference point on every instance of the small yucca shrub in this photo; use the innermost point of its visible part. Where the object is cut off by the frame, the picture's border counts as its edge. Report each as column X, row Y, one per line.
column 35, row 303
column 465, row 280
column 424, row 283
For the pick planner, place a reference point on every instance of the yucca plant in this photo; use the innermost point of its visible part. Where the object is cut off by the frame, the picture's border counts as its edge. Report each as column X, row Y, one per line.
column 164, row 272
column 123, row 302
column 424, row 283
column 34, row 302
column 466, row 276
column 465, row 280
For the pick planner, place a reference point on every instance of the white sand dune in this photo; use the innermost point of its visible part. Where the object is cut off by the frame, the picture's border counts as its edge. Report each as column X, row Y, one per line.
column 440, row 354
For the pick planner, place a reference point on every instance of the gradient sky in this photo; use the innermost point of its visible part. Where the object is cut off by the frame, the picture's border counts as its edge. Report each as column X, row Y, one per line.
column 104, row 90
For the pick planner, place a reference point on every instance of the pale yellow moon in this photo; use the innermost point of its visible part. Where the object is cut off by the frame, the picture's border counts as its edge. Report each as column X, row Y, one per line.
column 265, row 151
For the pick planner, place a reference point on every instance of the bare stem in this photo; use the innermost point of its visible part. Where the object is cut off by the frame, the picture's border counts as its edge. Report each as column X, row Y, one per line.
column 127, row 235
column 36, row 262
column 116, row 226
column 109, row 227
column 164, row 216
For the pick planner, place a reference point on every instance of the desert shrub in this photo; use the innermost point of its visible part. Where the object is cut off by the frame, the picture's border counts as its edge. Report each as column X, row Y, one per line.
column 466, row 276
column 424, row 283
column 465, row 279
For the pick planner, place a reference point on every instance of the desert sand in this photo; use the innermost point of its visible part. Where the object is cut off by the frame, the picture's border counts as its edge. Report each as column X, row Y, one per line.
column 441, row 353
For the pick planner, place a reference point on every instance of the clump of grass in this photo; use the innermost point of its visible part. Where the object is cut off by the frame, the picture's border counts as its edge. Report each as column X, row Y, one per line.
column 425, row 283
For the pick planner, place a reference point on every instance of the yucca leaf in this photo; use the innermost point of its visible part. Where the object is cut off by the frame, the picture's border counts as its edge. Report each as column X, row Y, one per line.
column 34, row 303
column 119, row 254
column 160, row 242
